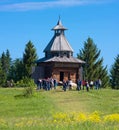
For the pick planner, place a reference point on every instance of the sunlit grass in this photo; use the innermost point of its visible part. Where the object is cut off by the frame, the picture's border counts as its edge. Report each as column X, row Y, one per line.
column 59, row 110
column 64, row 120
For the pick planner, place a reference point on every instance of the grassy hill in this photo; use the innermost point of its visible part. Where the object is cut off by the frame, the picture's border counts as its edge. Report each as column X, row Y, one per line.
column 59, row 110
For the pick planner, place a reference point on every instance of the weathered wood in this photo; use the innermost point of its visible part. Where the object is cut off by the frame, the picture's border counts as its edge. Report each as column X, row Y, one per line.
column 59, row 61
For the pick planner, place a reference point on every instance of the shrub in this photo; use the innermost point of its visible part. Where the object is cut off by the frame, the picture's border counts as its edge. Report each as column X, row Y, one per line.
column 28, row 85
column 26, row 82
column 28, row 91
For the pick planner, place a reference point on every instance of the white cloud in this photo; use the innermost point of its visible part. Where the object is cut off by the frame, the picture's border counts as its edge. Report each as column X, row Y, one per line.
column 26, row 6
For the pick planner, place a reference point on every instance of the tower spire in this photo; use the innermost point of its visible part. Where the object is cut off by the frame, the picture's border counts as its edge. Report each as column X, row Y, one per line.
column 59, row 25
column 59, row 17
column 59, row 43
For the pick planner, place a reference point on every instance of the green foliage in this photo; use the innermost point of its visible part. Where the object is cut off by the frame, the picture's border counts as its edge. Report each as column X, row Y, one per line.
column 6, row 61
column 114, row 74
column 26, row 82
column 105, row 77
column 28, row 91
column 93, row 69
column 19, row 68
column 2, row 76
column 28, row 85
column 5, row 66
column 16, row 70
column 29, row 58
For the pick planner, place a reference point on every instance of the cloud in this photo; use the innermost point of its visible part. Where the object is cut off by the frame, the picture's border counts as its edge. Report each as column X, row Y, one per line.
column 27, row 6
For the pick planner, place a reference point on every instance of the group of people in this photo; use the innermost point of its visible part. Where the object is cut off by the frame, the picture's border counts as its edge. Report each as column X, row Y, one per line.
column 51, row 83
column 46, row 84
column 68, row 84
column 81, row 84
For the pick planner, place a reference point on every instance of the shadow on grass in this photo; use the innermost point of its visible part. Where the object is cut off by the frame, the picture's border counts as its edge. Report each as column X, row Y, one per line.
column 19, row 96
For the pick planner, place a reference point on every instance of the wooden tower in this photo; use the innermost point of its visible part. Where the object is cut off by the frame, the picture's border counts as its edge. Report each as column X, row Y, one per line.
column 58, row 61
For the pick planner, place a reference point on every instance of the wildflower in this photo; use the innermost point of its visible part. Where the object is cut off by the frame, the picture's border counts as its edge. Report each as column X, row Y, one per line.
column 81, row 117
column 94, row 117
column 112, row 118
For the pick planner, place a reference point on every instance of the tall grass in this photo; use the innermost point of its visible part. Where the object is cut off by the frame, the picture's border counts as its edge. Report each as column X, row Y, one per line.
column 45, row 110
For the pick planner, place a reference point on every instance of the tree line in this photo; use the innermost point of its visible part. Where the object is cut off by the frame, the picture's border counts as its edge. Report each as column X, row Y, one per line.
column 20, row 69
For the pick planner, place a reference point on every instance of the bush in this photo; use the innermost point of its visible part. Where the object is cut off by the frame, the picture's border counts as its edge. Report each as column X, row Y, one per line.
column 26, row 82
column 28, row 91
column 28, row 85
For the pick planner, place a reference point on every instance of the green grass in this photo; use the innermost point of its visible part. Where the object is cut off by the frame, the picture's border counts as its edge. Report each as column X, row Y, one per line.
column 36, row 112
column 14, row 105
column 104, row 100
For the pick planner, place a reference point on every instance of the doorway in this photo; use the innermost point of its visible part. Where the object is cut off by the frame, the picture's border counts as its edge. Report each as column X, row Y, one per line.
column 61, row 76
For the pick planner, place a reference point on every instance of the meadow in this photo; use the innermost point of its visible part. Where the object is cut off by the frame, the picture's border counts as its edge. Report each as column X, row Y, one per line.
column 59, row 110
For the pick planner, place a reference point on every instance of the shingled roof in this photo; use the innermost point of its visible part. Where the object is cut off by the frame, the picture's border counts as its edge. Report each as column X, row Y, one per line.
column 59, row 26
column 59, row 49
column 61, row 59
column 58, row 42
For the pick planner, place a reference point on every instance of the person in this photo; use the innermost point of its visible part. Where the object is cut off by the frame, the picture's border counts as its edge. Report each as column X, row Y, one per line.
column 64, row 85
column 83, row 84
column 70, row 84
column 55, row 83
column 91, row 84
column 79, row 85
column 99, row 83
column 39, row 84
column 87, row 86
column 51, row 82
column 48, row 84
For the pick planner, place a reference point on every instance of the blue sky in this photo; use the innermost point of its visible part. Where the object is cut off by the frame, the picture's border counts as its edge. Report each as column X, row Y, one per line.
column 24, row 20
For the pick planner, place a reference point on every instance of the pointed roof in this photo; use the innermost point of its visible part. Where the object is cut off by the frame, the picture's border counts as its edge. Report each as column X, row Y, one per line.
column 59, row 41
column 59, row 26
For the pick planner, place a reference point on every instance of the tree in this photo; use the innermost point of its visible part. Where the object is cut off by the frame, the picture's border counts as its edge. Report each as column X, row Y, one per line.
column 16, row 70
column 29, row 58
column 5, row 65
column 93, row 69
column 2, row 76
column 105, row 77
column 114, row 74
column 6, row 61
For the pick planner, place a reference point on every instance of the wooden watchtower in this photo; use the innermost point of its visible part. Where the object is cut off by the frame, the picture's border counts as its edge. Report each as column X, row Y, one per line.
column 58, row 61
